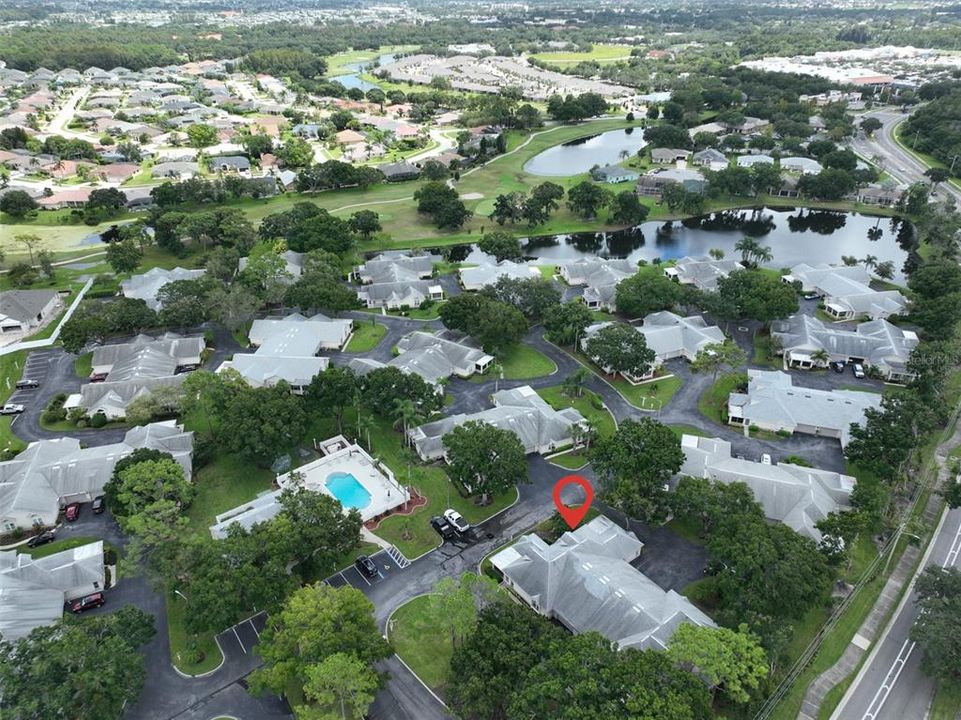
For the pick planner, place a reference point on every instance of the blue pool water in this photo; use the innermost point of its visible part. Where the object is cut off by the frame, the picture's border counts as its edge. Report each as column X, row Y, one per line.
column 346, row 488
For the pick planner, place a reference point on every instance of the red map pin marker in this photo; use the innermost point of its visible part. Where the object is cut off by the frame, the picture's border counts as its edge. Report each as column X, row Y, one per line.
column 573, row 515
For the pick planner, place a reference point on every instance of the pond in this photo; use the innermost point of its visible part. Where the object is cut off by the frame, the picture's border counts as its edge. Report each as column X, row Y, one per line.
column 353, row 79
column 794, row 235
column 578, row 156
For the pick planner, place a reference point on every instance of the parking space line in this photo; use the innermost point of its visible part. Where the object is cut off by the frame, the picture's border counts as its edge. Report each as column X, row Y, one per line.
column 256, row 631
column 234, row 628
column 343, row 577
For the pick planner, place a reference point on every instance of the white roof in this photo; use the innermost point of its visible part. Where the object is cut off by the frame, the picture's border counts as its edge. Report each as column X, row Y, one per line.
column 483, row 275
column 146, row 286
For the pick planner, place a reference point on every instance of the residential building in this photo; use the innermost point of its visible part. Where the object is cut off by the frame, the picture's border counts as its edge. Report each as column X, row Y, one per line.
column 801, row 165
column 146, row 286
column 877, row 344
column 21, row 311
column 288, row 348
column 33, row 591
column 374, row 491
column 797, row 496
column 712, row 128
column 599, row 276
column 396, row 266
column 750, row 126
column 540, row 428
column 294, row 263
column 703, row 272
column 847, row 292
column 668, row 156
column 230, row 164
column 879, row 196
column 585, row 581
column 653, row 183
column 349, row 137
column 613, row 174
column 52, row 473
column 747, row 161
column 180, row 170
column 433, row 358
column 399, row 171
column 669, row 336
column 479, row 277
column 709, row 157
column 773, row 403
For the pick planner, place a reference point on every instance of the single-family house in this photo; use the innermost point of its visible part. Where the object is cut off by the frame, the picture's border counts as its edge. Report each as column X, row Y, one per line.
column 585, row 581
column 599, row 277
column 433, row 358
column 879, row 196
column 748, row 161
column 33, row 591
column 846, row 291
column 703, row 272
column 230, row 164
column 540, row 428
column 293, row 264
column 709, row 157
column 400, row 295
column 877, row 344
column 349, row 137
column 23, row 310
column 146, row 285
column 801, row 165
column 668, row 156
column 480, row 276
column 711, row 128
column 800, row 497
column 399, row 171
column 653, row 183
column 613, row 174
column 49, row 474
column 180, row 170
column 396, row 266
column 773, row 403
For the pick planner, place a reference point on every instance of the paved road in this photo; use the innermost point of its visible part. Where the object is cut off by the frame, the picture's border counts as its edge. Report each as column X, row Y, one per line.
column 890, row 684
column 898, row 163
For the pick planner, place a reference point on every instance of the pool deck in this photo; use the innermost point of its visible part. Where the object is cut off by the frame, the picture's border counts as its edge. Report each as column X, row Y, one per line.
column 385, row 492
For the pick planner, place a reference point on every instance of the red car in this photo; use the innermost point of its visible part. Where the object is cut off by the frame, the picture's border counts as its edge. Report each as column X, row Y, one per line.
column 87, row 602
column 71, row 512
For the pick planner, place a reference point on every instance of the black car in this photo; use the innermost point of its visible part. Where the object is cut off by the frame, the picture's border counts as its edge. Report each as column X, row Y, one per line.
column 27, row 384
column 97, row 505
column 838, row 366
column 41, row 539
column 443, row 528
column 366, row 566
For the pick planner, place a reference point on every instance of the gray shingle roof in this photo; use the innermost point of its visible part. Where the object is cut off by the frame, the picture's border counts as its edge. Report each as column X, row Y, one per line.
column 25, row 305
column 701, row 272
column 585, row 580
column 797, row 496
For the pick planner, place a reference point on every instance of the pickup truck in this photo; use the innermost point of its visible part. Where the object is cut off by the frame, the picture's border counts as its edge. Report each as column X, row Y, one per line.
column 11, row 409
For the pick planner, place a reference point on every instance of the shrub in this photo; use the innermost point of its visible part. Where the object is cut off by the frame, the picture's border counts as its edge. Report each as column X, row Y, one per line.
column 754, row 428
column 204, row 449
column 109, row 556
column 597, row 403
column 98, row 420
column 797, row 460
column 783, row 433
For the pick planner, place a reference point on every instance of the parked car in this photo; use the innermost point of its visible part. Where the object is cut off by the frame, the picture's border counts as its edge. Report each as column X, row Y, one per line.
column 11, row 409
column 41, row 539
column 366, row 566
column 98, row 505
column 858, row 370
column 838, row 366
column 27, row 384
column 443, row 528
column 456, row 520
column 87, row 602
column 98, row 377
column 71, row 512
column 811, row 296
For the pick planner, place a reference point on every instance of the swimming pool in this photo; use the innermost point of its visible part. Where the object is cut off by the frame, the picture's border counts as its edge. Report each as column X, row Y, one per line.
column 346, row 488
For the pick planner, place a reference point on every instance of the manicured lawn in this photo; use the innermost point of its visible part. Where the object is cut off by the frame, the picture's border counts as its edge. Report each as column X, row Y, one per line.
column 83, row 365
column 713, row 403
column 56, row 546
column 761, row 355
column 11, row 368
column 224, row 483
column 947, row 701
column 598, row 53
column 682, row 429
column 523, row 363
column 600, row 418
column 572, row 459
column 181, row 641
column 366, row 337
column 547, row 271
column 416, row 636
column 651, row 395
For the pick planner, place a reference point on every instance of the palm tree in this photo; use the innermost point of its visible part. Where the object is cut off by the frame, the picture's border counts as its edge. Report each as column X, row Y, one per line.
column 870, row 261
column 820, row 356
column 588, row 432
column 716, row 253
column 748, row 247
column 365, row 423
column 407, row 413
column 763, row 255
column 574, row 383
column 624, row 154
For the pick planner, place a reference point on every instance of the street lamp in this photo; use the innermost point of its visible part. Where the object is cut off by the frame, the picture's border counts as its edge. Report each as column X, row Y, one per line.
column 177, row 592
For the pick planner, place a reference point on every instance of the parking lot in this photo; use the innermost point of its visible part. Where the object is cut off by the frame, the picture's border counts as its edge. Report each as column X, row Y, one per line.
column 386, row 565
column 243, row 636
column 36, row 368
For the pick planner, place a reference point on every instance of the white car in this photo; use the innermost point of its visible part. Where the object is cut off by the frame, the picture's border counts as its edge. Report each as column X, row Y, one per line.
column 858, row 371
column 11, row 409
column 766, row 459
column 457, row 520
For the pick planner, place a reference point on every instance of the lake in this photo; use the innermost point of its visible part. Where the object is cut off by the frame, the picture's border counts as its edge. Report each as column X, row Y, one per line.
column 578, row 156
column 353, row 79
column 794, row 236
